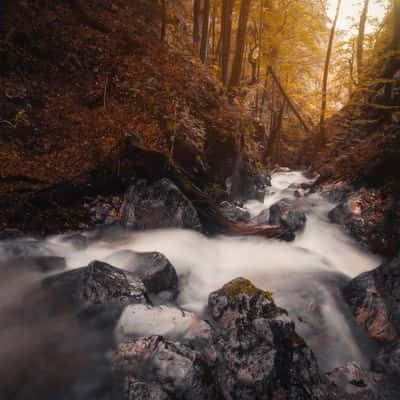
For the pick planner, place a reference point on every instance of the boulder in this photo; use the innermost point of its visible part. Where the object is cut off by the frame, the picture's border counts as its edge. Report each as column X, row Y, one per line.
column 158, row 205
column 136, row 389
column 286, row 214
column 372, row 218
column 387, row 360
column 158, row 274
column 97, row 284
column 234, row 213
column 254, row 187
column 165, row 369
column 374, row 300
column 337, row 193
column 368, row 307
column 152, row 268
column 358, row 383
column 259, row 354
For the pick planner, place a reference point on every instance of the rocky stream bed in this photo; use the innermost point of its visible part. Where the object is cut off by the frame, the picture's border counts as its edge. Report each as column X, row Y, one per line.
column 148, row 306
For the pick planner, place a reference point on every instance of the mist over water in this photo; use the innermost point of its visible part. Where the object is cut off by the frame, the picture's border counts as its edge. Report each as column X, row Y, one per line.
column 305, row 276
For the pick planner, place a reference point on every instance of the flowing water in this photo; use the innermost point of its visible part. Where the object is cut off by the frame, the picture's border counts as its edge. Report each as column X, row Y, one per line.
column 305, row 276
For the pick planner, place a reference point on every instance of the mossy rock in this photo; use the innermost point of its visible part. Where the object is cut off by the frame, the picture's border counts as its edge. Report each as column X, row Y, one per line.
column 244, row 286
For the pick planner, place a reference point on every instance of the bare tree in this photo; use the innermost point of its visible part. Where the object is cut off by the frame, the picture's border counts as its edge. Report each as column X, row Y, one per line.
column 163, row 19
column 240, row 43
column 360, row 39
column 196, row 24
column 226, row 33
column 326, row 74
column 205, row 31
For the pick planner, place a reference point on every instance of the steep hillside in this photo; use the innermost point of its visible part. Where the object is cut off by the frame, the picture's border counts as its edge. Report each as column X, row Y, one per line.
column 83, row 88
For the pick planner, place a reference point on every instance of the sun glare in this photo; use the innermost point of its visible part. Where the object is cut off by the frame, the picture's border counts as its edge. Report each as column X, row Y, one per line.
column 351, row 9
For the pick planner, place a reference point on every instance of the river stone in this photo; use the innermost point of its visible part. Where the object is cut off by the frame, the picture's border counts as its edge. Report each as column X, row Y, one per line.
column 387, row 360
column 286, row 214
column 157, row 273
column 176, row 369
column 374, row 299
column 97, row 284
column 234, row 213
column 259, row 354
column 158, row 205
column 135, row 389
column 357, row 383
column 372, row 218
column 254, row 187
column 152, row 268
column 368, row 307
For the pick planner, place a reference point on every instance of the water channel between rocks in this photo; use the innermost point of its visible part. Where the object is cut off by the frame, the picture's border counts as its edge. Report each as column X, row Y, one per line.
column 306, row 276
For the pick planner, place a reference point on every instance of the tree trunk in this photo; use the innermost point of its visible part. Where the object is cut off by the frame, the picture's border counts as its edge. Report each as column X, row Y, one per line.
column 240, row 43
column 226, row 33
column 196, row 25
column 360, row 39
column 259, row 52
column 325, row 77
column 164, row 20
column 275, row 129
column 205, row 31
column 288, row 100
column 214, row 27
column 396, row 33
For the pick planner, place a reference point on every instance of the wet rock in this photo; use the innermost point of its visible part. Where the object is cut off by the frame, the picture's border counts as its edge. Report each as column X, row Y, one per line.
column 157, row 273
column 372, row 218
column 259, row 354
column 158, row 205
column 177, row 370
column 9, row 234
column 286, row 214
column 172, row 323
column 97, row 284
column 374, row 298
column 152, row 268
column 338, row 192
column 234, row 213
column 388, row 360
column 358, row 383
column 369, row 308
column 24, row 249
column 254, row 187
column 135, row 389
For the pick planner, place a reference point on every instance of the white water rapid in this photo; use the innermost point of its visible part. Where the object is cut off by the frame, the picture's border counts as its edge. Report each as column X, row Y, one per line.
column 305, row 276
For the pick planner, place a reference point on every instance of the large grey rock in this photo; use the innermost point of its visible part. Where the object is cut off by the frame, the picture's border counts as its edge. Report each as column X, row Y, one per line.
column 152, row 268
column 286, row 213
column 97, row 284
column 358, row 383
column 177, row 370
column 369, row 308
column 254, row 187
column 387, row 360
column 158, row 205
column 234, row 213
column 259, row 354
column 374, row 298
column 371, row 217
